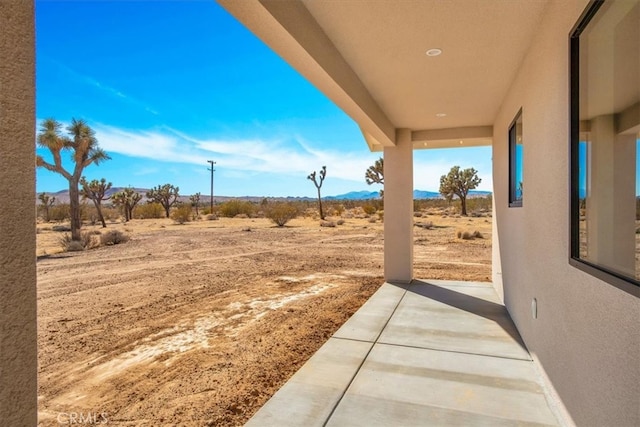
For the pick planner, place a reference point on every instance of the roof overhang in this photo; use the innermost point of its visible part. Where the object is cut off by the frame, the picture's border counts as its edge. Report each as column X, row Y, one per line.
column 369, row 59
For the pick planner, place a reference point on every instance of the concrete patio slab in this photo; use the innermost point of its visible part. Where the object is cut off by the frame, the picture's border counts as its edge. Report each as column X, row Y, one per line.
column 430, row 353
column 412, row 386
column 367, row 323
column 467, row 319
column 310, row 396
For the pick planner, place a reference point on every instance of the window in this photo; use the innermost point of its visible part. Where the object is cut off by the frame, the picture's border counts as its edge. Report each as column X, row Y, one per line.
column 515, row 161
column 605, row 142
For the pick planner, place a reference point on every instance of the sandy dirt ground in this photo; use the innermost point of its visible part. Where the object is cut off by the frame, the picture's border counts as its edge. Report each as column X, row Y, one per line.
column 199, row 324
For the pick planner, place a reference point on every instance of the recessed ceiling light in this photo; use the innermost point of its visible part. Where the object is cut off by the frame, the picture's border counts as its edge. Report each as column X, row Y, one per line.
column 441, row 115
column 434, row 52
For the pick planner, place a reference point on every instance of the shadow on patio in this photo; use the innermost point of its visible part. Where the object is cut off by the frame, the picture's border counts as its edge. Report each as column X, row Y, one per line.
column 429, row 353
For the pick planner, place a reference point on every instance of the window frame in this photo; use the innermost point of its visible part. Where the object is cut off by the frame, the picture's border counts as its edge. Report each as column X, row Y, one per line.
column 624, row 283
column 514, row 202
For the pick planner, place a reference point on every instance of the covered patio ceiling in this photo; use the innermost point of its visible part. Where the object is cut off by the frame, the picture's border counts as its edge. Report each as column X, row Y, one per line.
column 376, row 60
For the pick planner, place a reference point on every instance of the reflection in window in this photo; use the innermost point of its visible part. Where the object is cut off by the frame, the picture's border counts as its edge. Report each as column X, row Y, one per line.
column 605, row 139
column 516, row 149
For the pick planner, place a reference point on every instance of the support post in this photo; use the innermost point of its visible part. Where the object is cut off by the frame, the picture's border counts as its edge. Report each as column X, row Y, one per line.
column 398, row 209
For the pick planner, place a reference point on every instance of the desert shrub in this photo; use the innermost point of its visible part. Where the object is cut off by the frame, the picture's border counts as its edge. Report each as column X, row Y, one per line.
column 478, row 235
column 281, row 213
column 465, row 235
column 369, row 209
column 428, row 225
column 373, row 219
column 242, row 216
column 327, row 224
column 61, row 228
column 381, row 215
column 479, row 203
column 113, row 237
column 233, row 208
column 340, row 222
column 181, row 214
column 59, row 213
column 148, row 210
column 212, row 217
column 417, row 214
column 68, row 245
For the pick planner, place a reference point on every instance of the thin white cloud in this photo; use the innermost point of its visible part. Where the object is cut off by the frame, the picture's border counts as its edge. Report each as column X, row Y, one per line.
column 88, row 80
column 244, row 158
column 248, row 155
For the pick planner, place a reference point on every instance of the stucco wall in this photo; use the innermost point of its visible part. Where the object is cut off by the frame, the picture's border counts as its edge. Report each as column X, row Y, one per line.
column 586, row 334
column 18, row 354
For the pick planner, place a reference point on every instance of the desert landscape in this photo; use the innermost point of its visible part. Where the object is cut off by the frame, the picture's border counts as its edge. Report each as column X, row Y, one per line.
column 199, row 324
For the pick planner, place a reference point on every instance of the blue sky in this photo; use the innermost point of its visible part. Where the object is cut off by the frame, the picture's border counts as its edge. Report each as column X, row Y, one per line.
column 168, row 85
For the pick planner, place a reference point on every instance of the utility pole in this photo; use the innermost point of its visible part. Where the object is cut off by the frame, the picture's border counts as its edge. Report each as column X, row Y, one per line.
column 212, row 170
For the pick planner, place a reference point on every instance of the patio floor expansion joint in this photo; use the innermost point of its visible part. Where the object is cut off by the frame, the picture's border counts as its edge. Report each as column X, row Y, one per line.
column 495, row 356
column 355, row 374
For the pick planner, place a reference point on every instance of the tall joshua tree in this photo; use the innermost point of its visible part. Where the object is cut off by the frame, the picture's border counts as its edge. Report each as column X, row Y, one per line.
column 459, row 182
column 83, row 145
column 96, row 191
column 128, row 198
column 165, row 194
column 318, row 184
column 375, row 174
column 47, row 201
column 195, row 202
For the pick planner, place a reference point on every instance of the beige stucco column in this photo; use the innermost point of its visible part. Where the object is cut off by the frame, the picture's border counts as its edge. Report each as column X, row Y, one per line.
column 398, row 209
column 18, row 352
column 611, row 201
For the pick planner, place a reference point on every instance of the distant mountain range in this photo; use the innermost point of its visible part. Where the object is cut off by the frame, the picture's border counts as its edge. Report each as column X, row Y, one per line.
column 62, row 196
column 417, row 195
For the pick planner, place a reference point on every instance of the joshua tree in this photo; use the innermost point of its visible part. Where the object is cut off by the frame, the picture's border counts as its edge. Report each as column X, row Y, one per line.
column 47, row 201
column 375, row 174
column 459, row 182
column 318, row 184
column 128, row 199
column 96, row 191
column 195, row 201
column 84, row 151
column 165, row 194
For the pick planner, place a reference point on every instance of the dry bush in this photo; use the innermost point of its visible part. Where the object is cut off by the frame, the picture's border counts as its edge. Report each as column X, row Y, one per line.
column 417, row 214
column 426, row 225
column 113, row 237
column 181, row 214
column 61, row 228
column 212, row 217
column 59, row 213
column 148, row 210
column 242, row 216
column 233, row 208
column 468, row 235
column 281, row 213
column 340, row 222
column 85, row 242
column 373, row 219
column 369, row 209
column 327, row 224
